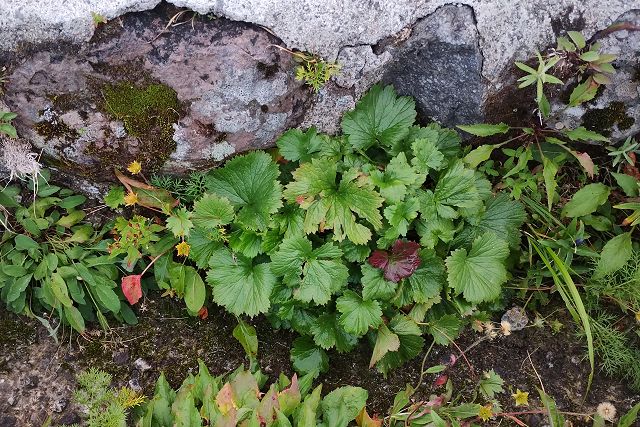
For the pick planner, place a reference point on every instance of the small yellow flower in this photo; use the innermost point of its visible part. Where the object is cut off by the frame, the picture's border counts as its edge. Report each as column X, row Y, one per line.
column 521, row 397
column 131, row 198
column 638, row 316
column 486, row 412
column 134, row 167
column 183, row 249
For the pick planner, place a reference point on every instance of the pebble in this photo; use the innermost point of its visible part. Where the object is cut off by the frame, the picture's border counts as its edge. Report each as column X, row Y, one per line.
column 141, row 364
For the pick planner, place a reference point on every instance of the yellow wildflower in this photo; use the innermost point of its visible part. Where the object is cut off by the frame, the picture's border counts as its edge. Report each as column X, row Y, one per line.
column 134, row 167
column 183, row 249
column 521, row 397
column 486, row 412
column 131, row 198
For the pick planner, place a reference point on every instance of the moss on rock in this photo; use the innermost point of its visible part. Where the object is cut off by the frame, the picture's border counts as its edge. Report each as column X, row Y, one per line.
column 148, row 113
column 602, row 120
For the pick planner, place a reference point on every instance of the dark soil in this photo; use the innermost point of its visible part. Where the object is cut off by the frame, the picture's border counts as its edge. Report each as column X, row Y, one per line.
column 37, row 376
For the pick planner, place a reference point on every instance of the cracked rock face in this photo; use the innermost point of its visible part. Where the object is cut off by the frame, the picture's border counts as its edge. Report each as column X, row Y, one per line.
column 178, row 100
column 440, row 65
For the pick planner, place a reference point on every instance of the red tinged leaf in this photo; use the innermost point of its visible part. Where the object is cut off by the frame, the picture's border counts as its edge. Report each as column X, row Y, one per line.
column 400, row 263
column 441, row 380
column 203, row 313
column 131, row 288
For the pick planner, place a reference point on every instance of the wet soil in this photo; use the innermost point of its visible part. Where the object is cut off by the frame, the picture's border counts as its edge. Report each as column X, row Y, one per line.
column 37, row 376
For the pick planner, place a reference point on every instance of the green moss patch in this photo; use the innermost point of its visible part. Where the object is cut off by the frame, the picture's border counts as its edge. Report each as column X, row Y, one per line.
column 148, row 113
column 601, row 120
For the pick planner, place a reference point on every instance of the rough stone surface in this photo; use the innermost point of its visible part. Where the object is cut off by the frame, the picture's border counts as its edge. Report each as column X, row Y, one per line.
column 616, row 111
column 440, row 66
column 235, row 91
column 506, row 28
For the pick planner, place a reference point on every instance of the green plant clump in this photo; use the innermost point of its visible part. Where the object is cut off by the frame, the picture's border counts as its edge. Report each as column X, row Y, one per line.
column 50, row 261
column 382, row 232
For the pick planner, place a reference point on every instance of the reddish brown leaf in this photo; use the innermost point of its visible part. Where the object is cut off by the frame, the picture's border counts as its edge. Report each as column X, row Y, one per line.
column 585, row 161
column 203, row 313
column 224, row 399
column 131, row 288
column 400, row 263
column 441, row 380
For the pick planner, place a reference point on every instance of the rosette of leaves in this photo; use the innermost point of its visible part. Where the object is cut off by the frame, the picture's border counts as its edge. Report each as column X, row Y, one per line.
column 242, row 398
column 383, row 232
column 51, row 261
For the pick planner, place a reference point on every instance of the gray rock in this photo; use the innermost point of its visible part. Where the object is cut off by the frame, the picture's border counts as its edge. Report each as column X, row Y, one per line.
column 615, row 112
column 177, row 101
column 141, row 364
column 440, row 65
column 507, row 29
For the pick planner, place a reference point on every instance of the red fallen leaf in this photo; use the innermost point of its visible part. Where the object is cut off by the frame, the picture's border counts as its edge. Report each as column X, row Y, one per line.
column 131, row 288
column 400, row 263
column 436, row 401
column 441, row 380
column 203, row 313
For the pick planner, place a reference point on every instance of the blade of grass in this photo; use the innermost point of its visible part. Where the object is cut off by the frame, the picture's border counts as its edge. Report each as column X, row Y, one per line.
column 571, row 296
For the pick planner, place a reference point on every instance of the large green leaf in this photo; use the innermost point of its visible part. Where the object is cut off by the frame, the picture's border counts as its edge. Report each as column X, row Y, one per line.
column 380, row 117
column 427, row 281
column 374, row 285
column 250, row 183
column 502, row 216
column 479, row 273
column 194, row 289
column 212, row 211
column 427, row 156
column 484, row 129
column 328, row 333
column 343, row 405
column 358, row 315
column 396, row 178
column 316, row 274
column 615, row 255
column 296, row 145
column 335, row 206
column 203, row 245
column 456, row 188
column 386, row 341
column 586, row 200
column 239, row 285
column 247, row 337
column 307, row 414
column 307, row 358
column 411, row 343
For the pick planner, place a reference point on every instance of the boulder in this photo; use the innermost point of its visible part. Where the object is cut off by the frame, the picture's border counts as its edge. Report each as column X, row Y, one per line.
column 440, row 65
column 183, row 89
column 177, row 99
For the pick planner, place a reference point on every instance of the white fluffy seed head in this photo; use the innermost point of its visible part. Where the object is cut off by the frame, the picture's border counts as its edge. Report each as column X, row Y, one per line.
column 607, row 411
column 17, row 157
